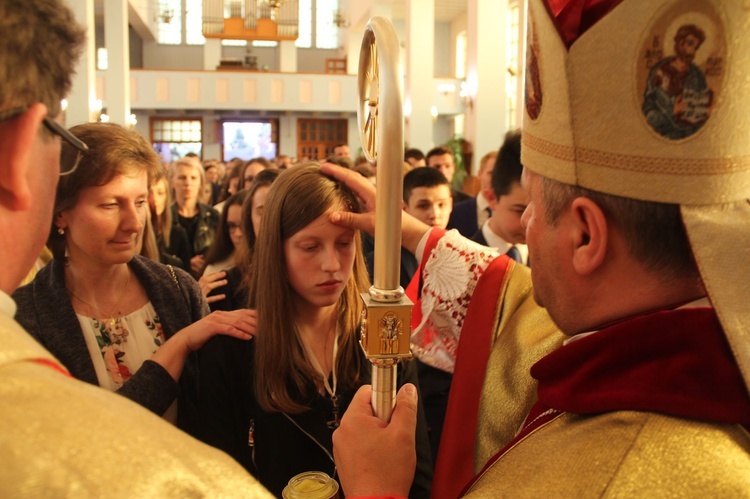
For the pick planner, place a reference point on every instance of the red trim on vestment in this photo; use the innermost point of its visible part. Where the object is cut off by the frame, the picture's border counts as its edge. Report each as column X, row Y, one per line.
column 455, row 462
column 52, row 364
column 414, row 289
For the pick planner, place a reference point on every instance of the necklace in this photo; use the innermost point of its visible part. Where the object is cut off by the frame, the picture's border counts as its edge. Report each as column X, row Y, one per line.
column 111, row 315
column 330, row 389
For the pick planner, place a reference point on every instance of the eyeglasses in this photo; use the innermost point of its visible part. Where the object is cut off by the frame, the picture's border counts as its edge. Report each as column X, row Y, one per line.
column 231, row 227
column 68, row 163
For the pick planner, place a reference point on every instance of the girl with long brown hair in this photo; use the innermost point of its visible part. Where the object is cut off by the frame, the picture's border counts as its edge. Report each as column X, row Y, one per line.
column 273, row 403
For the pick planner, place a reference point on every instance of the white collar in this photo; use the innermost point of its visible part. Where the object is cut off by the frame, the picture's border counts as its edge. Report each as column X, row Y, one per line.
column 482, row 202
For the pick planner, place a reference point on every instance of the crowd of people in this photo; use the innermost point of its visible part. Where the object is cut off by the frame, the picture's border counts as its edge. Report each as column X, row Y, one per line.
column 578, row 328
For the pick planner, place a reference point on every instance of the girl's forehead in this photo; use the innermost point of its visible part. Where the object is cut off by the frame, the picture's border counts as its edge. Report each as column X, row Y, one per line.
column 322, row 227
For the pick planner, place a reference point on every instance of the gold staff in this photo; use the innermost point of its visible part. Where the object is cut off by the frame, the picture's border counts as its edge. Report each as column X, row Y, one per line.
column 387, row 315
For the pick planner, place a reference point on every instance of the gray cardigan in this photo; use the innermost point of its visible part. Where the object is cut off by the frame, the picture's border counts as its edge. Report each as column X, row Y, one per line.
column 46, row 312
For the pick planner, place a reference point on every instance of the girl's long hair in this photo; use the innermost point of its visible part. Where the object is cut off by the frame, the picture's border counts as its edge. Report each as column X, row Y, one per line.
column 243, row 259
column 285, row 381
column 222, row 245
column 162, row 224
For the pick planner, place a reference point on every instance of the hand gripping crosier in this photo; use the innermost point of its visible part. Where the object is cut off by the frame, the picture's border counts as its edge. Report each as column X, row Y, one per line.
column 386, row 319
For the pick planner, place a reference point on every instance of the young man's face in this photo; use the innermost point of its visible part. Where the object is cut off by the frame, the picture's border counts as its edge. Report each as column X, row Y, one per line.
column 444, row 163
column 506, row 215
column 431, row 205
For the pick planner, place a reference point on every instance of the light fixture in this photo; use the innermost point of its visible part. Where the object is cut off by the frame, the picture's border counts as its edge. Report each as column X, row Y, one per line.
column 165, row 14
column 104, row 117
column 434, row 113
column 132, row 120
column 339, row 20
column 64, row 104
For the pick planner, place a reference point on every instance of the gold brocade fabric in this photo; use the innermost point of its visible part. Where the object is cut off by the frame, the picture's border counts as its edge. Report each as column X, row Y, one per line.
column 623, row 454
column 60, row 437
column 524, row 334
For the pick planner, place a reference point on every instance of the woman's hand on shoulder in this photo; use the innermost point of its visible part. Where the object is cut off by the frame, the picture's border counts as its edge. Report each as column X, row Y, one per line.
column 241, row 324
column 209, row 282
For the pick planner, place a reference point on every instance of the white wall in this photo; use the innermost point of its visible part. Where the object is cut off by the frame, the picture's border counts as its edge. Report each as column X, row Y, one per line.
column 443, row 45
column 157, row 56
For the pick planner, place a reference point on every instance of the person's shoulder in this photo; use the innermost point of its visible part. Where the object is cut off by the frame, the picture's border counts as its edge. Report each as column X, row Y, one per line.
column 678, row 456
column 222, row 348
column 58, row 410
column 460, row 197
column 160, row 272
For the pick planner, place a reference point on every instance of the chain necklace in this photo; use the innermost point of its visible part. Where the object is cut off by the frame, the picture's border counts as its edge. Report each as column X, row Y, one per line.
column 111, row 315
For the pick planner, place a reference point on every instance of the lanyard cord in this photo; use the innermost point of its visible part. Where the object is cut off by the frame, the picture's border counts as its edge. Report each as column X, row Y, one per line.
column 314, row 361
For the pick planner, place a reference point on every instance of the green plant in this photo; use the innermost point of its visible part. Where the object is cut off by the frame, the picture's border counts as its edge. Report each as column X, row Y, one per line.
column 457, row 145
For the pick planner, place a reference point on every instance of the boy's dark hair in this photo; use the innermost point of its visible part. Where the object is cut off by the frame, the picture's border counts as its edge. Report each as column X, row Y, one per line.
column 414, row 154
column 423, row 176
column 508, row 167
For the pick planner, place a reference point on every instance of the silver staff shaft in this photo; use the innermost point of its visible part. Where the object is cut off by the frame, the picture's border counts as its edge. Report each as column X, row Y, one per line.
column 387, row 312
column 383, row 390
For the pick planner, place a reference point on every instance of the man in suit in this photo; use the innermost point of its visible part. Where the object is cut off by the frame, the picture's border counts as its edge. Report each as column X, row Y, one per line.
column 508, row 200
column 441, row 158
column 469, row 216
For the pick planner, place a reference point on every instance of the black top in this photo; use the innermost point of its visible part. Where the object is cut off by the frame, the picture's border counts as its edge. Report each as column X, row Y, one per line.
column 284, row 444
column 178, row 252
column 200, row 229
column 235, row 293
column 189, row 224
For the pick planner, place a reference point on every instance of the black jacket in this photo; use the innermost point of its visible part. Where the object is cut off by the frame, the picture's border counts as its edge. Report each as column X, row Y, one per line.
column 284, row 446
column 205, row 229
column 46, row 312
